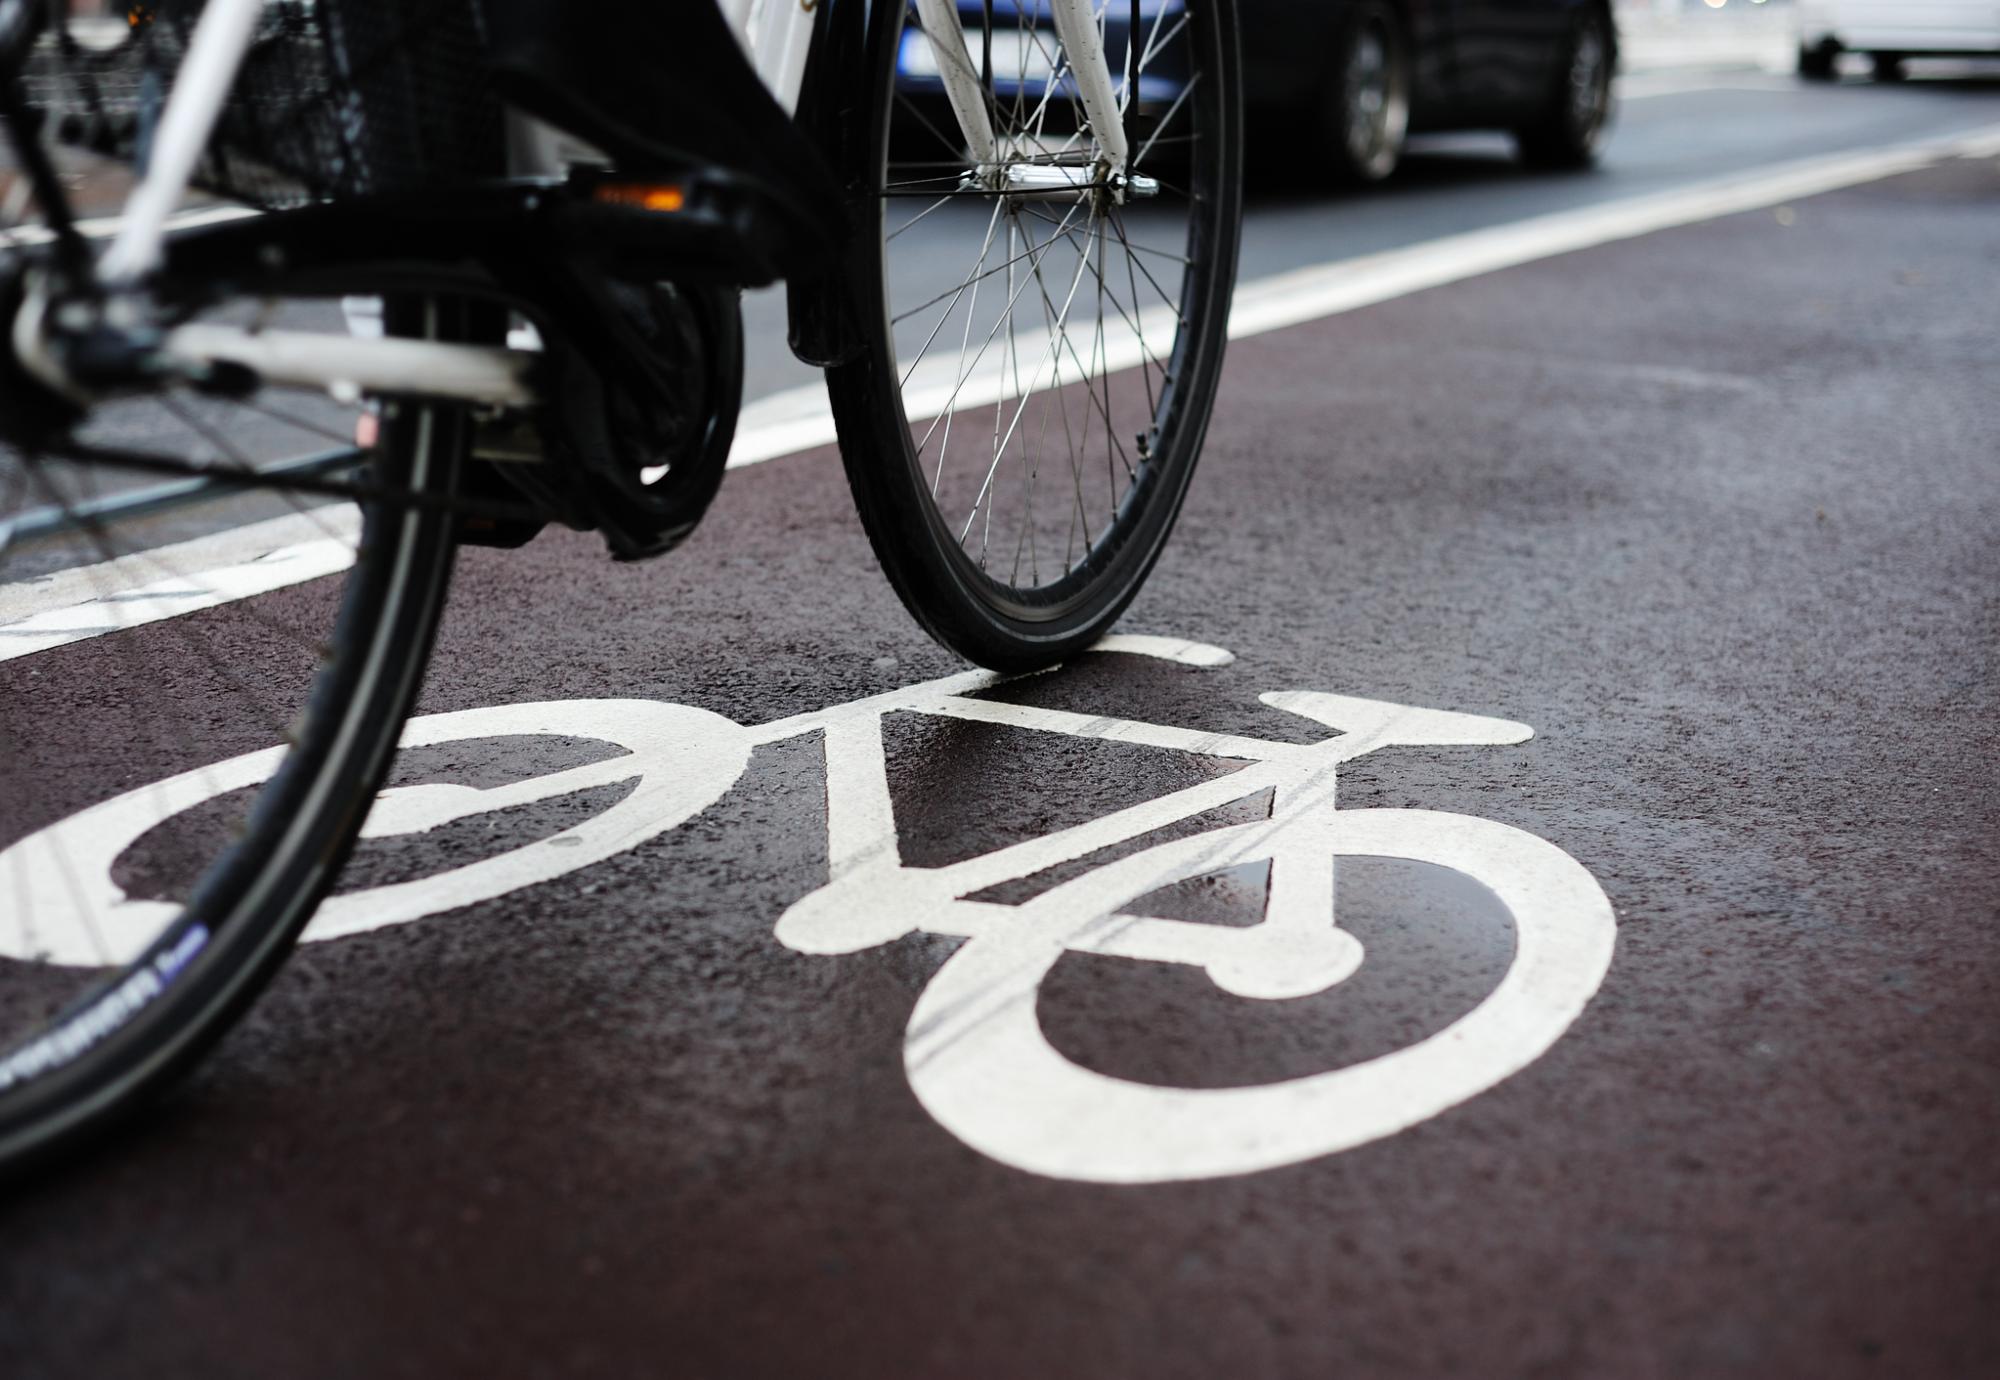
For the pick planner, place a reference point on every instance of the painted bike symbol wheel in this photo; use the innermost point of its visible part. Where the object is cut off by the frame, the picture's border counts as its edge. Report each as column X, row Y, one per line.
column 980, row 1064
column 680, row 759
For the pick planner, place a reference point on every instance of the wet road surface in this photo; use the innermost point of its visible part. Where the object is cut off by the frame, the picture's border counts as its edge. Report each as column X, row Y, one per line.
column 1712, row 510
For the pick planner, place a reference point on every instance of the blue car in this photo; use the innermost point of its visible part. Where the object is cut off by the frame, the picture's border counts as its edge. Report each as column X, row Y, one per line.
column 1332, row 88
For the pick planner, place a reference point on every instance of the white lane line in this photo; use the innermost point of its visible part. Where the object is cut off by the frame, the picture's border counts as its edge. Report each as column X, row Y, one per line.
column 1308, row 294
column 147, row 586
column 799, row 418
column 39, row 614
column 1642, row 86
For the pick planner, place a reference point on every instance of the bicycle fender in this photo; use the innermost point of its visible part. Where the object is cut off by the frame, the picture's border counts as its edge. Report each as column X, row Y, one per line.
column 834, row 117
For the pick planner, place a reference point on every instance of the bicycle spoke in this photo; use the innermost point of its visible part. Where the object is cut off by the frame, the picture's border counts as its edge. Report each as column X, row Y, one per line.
column 1015, row 421
column 1007, row 319
column 965, row 337
column 913, row 220
column 954, row 291
column 1180, row 100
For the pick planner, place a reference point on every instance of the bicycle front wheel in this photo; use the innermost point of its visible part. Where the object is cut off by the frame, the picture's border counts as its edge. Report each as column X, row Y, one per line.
column 144, row 638
column 1043, row 335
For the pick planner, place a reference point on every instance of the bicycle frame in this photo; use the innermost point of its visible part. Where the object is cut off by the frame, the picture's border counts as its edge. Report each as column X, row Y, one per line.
column 776, row 35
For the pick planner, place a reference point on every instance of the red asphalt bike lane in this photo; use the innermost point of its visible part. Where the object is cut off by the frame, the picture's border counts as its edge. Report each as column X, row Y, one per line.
column 1712, row 510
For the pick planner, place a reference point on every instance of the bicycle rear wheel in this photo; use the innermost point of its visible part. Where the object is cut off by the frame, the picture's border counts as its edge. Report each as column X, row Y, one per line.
column 1039, row 366
column 308, row 635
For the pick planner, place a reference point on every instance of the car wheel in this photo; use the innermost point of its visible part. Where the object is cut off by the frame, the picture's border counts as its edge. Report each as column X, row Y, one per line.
column 1367, row 114
column 1578, row 110
column 1889, row 67
column 1818, row 61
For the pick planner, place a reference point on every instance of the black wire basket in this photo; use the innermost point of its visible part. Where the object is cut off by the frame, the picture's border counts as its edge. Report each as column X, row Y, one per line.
column 336, row 98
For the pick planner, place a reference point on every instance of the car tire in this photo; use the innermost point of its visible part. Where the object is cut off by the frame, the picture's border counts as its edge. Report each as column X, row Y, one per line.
column 1365, row 117
column 1818, row 61
column 1578, row 108
column 1889, row 67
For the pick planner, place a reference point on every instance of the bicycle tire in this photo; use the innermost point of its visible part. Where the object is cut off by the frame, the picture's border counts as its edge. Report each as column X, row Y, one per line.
column 253, row 899
column 1005, row 622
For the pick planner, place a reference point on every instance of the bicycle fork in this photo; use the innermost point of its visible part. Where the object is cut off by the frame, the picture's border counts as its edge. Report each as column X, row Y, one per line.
column 1016, row 171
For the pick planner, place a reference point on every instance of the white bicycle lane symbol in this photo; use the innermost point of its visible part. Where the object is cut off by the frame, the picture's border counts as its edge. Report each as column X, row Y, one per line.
column 974, row 1049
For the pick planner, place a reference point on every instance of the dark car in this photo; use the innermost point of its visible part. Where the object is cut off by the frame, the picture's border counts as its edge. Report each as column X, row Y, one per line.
column 1333, row 87
column 1354, row 77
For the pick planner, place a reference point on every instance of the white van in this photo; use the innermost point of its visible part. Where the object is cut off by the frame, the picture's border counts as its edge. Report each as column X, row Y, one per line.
column 1892, row 30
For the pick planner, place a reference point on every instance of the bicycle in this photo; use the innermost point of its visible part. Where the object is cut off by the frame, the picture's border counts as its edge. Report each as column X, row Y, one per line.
column 534, row 221
column 974, row 1051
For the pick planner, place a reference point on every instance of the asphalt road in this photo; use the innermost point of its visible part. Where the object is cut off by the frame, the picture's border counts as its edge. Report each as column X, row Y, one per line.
column 1712, row 510
column 1674, row 128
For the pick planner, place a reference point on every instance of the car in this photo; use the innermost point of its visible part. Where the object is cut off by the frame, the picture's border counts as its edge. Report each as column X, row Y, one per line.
column 1360, row 75
column 1334, row 87
column 1890, row 31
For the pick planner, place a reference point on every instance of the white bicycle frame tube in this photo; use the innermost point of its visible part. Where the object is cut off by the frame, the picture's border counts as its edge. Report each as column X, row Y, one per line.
column 221, row 38
column 1083, row 51
column 1083, row 47
column 962, row 86
column 777, row 36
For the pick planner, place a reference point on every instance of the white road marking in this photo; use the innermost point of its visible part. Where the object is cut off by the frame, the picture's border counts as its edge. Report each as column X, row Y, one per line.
column 1641, row 86
column 681, row 760
column 799, row 419
column 980, row 1064
column 974, row 1050
column 1290, row 299
column 1165, row 649
column 148, row 586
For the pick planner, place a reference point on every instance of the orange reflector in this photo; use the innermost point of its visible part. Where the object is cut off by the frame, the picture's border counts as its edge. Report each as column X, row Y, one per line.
column 666, row 197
